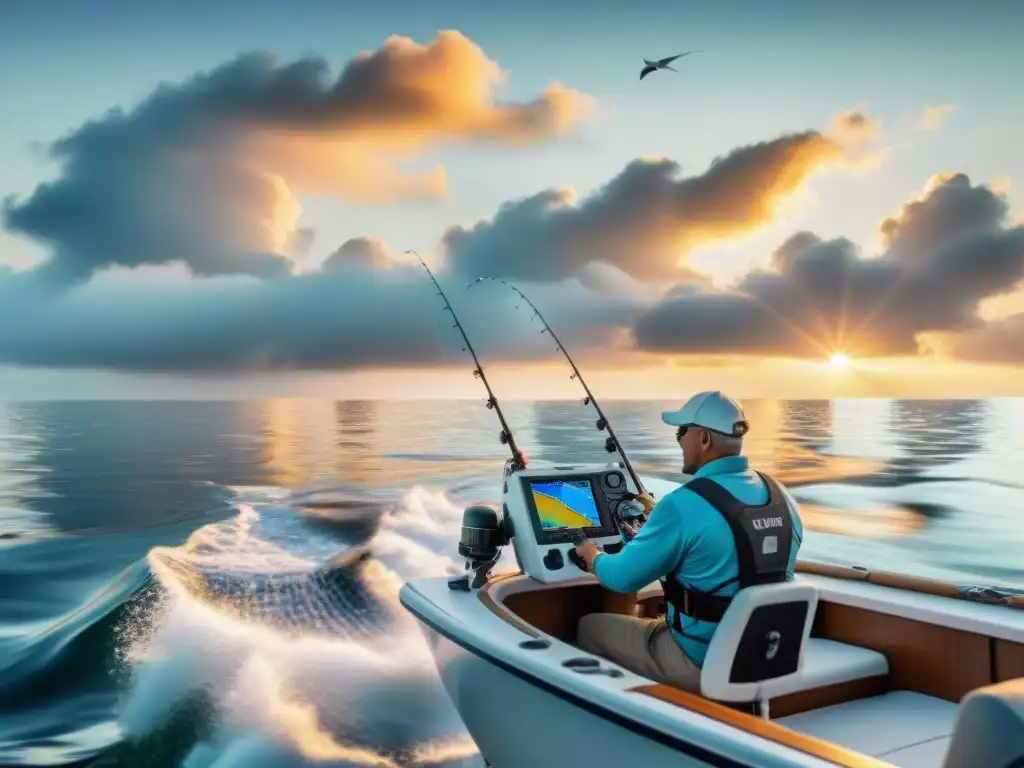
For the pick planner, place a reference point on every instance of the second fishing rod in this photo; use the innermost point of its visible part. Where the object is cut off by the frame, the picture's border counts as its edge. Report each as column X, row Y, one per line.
column 518, row 460
column 612, row 443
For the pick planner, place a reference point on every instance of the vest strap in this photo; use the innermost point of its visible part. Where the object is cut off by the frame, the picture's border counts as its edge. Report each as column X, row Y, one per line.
column 690, row 602
column 762, row 555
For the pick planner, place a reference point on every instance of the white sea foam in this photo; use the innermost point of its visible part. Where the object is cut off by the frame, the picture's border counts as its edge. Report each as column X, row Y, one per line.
column 315, row 692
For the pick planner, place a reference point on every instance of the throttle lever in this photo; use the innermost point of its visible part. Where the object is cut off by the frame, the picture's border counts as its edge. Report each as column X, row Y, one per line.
column 577, row 537
column 575, row 559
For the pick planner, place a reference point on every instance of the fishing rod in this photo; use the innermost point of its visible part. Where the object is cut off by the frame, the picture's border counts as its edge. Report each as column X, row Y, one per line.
column 612, row 444
column 506, row 438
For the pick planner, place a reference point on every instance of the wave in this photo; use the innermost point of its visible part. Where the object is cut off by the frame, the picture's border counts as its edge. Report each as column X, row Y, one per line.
column 296, row 644
column 272, row 638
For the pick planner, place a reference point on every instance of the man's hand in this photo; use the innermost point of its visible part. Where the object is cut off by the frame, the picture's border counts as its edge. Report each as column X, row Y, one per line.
column 631, row 528
column 646, row 501
column 588, row 552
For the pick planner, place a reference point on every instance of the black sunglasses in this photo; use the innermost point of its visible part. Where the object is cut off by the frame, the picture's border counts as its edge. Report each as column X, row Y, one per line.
column 739, row 430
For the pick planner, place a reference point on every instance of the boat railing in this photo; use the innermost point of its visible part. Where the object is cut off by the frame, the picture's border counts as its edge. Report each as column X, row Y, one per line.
column 976, row 593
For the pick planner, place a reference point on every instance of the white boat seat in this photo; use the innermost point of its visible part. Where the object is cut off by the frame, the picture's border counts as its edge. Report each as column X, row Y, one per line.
column 827, row 662
column 757, row 651
column 989, row 728
column 907, row 729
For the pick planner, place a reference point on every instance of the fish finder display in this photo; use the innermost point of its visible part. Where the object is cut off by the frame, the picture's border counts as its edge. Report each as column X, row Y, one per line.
column 563, row 504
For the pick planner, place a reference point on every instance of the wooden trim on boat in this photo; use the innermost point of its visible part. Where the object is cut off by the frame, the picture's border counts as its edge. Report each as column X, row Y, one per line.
column 757, row 726
column 828, row 695
column 1007, row 660
column 926, row 658
column 897, row 581
column 500, row 610
column 557, row 611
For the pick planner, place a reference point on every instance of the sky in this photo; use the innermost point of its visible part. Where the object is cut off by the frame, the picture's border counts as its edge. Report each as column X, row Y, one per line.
column 214, row 199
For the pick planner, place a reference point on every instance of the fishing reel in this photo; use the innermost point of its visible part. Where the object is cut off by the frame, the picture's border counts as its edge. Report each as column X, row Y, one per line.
column 631, row 512
column 483, row 535
column 610, row 444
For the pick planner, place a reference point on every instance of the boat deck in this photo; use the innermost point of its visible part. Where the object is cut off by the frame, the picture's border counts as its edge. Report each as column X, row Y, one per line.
column 907, row 729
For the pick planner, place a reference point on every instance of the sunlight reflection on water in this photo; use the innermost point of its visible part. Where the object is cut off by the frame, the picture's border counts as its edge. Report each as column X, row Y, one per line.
column 910, row 485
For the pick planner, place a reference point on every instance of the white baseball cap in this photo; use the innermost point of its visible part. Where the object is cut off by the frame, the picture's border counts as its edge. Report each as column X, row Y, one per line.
column 710, row 410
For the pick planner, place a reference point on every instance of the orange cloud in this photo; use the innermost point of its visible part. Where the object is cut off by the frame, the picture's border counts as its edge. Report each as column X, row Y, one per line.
column 648, row 218
column 855, row 135
column 206, row 171
column 1001, row 341
column 443, row 89
column 394, row 102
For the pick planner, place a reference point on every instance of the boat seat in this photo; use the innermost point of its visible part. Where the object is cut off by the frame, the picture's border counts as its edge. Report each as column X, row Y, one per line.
column 828, row 662
column 989, row 728
column 907, row 729
column 757, row 651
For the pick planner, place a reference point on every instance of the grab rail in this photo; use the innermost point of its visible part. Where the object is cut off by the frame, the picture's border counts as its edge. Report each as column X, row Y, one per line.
column 970, row 592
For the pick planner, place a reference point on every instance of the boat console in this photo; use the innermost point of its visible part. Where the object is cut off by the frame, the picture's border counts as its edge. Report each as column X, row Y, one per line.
column 551, row 511
column 545, row 512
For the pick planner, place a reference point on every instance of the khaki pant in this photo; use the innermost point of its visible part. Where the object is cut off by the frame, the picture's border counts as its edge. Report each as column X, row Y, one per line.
column 643, row 646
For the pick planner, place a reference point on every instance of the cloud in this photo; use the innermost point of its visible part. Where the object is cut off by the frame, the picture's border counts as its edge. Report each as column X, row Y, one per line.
column 649, row 216
column 933, row 116
column 206, row 171
column 364, row 252
column 350, row 315
column 944, row 253
column 1000, row 341
column 174, row 236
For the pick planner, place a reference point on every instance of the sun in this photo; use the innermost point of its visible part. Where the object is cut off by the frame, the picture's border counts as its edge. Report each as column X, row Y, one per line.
column 839, row 362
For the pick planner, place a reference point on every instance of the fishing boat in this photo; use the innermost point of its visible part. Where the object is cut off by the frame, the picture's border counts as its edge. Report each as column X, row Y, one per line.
column 841, row 666
column 878, row 670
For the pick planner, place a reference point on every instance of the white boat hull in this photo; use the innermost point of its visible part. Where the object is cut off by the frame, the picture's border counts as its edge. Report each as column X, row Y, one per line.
column 524, row 708
column 536, row 727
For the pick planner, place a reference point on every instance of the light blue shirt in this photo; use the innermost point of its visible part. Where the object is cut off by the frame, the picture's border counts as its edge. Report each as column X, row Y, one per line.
column 685, row 536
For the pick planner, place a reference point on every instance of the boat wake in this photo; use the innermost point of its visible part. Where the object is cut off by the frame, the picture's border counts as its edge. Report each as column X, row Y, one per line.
column 293, row 643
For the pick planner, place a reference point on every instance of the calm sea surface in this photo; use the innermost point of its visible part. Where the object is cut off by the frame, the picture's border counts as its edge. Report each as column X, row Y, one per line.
column 173, row 588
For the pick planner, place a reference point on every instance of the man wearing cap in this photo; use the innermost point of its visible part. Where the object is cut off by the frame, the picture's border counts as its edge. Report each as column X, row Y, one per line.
column 729, row 527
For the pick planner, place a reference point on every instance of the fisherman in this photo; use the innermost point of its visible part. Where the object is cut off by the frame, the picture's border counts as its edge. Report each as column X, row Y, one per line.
column 727, row 528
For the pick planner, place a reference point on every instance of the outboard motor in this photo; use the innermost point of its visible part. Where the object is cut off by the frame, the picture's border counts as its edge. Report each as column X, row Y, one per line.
column 483, row 536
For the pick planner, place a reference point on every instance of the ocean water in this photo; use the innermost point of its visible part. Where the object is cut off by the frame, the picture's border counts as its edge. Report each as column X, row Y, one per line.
column 213, row 585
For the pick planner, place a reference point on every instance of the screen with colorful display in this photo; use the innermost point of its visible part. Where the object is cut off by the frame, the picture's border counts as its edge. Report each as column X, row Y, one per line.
column 565, row 504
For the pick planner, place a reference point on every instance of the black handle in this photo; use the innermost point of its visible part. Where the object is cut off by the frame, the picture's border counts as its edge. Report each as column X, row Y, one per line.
column 575, row 559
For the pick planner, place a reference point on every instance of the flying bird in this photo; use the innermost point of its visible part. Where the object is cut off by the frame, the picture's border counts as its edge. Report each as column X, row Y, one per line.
column 654, row 66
